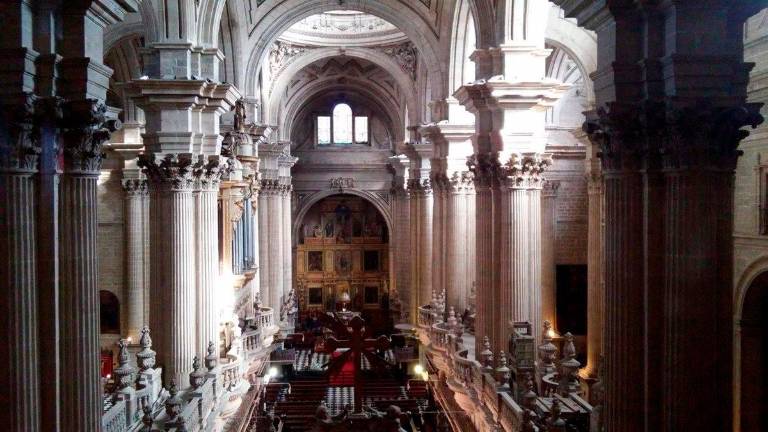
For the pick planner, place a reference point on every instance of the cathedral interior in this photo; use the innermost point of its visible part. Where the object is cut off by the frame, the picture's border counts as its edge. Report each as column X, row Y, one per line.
column 384, row 215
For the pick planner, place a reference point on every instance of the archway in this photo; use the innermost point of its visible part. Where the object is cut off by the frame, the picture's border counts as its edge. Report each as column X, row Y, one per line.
column 754, row 356
column 342, row 260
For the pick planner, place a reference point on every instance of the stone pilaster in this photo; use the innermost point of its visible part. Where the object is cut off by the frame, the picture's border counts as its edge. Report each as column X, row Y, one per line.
column 136, row 195
column 86, row 129
column 19, row 154
column 401, row 237
column 595, row 246
column 173, row 314
column 207, row 174
column 548, row 233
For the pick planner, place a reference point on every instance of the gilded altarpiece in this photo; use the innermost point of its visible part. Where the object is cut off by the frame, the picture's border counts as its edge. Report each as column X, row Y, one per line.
column 343, row 248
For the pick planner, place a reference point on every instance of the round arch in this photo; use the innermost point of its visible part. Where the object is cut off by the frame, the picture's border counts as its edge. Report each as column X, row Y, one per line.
column 378, row 202
column 748, row 277
column 379, row 59
column 288, row 12
column 293, row 109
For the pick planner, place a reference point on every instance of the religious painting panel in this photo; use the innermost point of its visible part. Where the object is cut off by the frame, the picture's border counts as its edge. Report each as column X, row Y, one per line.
column 371, row 261
column 315, row 261
column 371, row 295
column 343, row 261
column 315, row 296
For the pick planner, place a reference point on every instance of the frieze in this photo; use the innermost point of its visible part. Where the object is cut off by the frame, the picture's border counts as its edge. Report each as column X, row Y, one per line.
column 341, row 183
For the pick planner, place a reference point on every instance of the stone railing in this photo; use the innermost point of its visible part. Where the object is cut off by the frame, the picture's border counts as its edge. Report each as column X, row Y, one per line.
column 483, row 392
column 266, row 317
column 214, row 392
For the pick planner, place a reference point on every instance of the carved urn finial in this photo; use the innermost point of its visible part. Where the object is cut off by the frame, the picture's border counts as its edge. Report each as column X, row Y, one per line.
column 197, row 376
column 547, row 350
column 487, row 355
column 173, row 403
column 502, row 371
column 211, row 359
column 452, row 318
column 146, row 357
column 124, row 372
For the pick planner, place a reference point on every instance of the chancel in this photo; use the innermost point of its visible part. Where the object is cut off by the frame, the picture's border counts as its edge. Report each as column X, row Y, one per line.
column 384, row 215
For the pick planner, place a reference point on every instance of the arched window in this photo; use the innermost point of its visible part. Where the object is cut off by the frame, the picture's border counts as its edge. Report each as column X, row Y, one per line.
column 342, row 124
column 342, row 127
column 110, row 312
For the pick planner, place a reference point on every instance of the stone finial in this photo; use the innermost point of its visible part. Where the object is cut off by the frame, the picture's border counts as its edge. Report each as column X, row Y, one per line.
column 146, row 357
column 569, row 367
column 173, row 403
column 547, row 350
column 124, row 372
column 556, row 423
column 487, row 355
column 502, row 370
column 197, row 377
column 212, row 359
column 529, row 397
column 452, row 318
column 147, row 419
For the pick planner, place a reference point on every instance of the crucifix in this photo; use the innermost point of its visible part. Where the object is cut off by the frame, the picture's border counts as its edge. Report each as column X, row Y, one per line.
column 353, row 337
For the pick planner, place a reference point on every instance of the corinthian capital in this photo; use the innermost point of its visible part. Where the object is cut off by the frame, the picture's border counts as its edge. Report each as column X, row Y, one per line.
column 420, row 185
column 85, row 129
column 135, row 187
column 485, row 169
column 207, row 173
column 19, row 150
column 173, row 172
column 524, row 170
column 461, row 181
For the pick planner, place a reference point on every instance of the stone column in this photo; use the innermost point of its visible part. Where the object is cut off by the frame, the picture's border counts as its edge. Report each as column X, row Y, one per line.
column 439, row 226
column 87, row 129
column 548, row 234
column 173, row 315
column 485, row 253
column 420, row 192
column 264, row 253
column 401, row 237
column 135, row 197
column 18, row 273
column 458, row 278
column 207, row 175
column 272, row 191
column 285, row 163
column 519, row 289
column 595, row 288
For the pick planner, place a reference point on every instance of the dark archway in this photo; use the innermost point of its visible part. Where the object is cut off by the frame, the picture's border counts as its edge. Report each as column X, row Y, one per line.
column 109, row 310
column 754, row 357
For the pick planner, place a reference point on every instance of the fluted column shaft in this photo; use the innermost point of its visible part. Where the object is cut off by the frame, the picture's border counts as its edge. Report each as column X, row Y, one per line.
column 174, row 313
column 286, row 228
column 264, row 253
column 135, row 225
column 18, row 275
column 548, row 232
column 401, row 211
column 486, row 259
column 206, row 231
column 457, row 260
column 421, row 240
column 439, row 200
column 698, row 265
column 595, row 293
column 624, row 318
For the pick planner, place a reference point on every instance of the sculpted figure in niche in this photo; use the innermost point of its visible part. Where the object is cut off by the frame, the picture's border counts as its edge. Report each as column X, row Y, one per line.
column 317, row 232
column 329, row 228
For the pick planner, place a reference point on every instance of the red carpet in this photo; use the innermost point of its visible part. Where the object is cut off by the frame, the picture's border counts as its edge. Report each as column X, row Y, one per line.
column 346, row 376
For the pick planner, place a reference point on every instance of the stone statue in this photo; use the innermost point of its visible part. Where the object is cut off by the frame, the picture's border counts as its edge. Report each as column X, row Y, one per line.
column 317, row 232
column 289, row 308
column 240, row 116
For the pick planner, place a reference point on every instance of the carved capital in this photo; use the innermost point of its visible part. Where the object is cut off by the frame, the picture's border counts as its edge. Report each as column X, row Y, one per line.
column 618, row 130
column 524, row 170
column 135, row 187
column 19, row 149
column 172, row 173
column 485, row 169
column 421, row 186
column 461, row 181
column 207, row 173
column 85, row 128
column 706, row 137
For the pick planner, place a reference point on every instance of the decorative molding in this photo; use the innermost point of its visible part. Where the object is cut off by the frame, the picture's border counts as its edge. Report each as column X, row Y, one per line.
column 405, row 55
column 341, row 183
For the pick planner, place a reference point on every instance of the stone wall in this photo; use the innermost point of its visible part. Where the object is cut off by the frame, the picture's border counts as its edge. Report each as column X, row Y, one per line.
column 571, row 204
